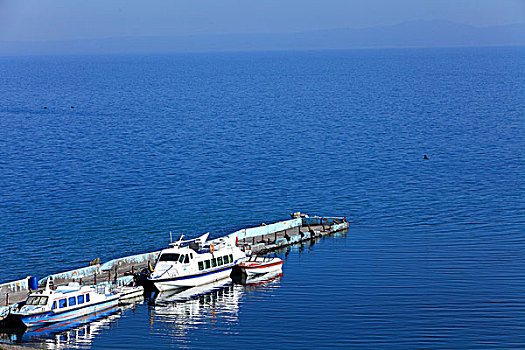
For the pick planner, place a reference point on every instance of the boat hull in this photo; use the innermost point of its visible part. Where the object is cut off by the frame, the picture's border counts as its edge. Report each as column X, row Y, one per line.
column 192, row 280
column 49, row 317
column 260, row 269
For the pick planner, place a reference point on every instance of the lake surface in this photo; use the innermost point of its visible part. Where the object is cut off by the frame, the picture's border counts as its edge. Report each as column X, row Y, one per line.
column 218, row 142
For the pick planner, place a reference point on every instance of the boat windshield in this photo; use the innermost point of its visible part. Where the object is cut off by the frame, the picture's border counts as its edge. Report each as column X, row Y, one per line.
column 169, row 257
column 36, row 300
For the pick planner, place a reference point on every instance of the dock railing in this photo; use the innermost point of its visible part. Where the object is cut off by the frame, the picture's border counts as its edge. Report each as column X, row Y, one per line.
column 246, row 233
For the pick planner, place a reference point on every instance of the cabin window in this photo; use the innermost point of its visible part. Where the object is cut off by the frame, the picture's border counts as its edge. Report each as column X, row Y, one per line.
column 169, row 257
column 187, row 260
column 80, row 299
column 36, row 300
column 201, row 266
column 72, row 301
column 181, row 259
column 54, row 305
column 191, row 255
column 207, row 264
column 219, row 260
column 87, row 298
column 231, row 258
column 213, row 262
column 226, row 259
column 62, row 303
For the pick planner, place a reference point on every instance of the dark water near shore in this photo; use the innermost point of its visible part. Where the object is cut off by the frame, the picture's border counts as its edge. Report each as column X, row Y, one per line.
column 196, row 143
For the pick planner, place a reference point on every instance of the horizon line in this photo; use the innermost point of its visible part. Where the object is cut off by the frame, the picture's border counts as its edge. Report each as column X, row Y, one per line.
column 256, row 33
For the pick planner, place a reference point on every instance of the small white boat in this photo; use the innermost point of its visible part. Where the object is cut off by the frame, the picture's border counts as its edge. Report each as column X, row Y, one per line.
column 195, row 262
column 258, row 265
column 62, row 304
column 130, row 294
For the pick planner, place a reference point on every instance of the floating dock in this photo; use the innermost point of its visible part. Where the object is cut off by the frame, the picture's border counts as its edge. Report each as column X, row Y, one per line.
column 300, row 228
column 121, row 272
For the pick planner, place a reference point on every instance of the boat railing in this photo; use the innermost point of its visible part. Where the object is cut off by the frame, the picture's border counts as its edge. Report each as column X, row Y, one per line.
column 260, row 258
column 207, row 247
column 100, row 289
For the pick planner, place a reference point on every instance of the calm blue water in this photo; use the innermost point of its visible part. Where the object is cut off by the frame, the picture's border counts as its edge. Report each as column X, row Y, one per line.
column 217, row 142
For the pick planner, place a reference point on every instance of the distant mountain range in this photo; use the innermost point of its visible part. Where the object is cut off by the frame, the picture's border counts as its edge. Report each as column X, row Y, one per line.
column 408, row 34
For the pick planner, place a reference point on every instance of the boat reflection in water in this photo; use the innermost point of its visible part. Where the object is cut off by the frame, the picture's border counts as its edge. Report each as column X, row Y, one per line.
column 254, row 281
column 180, row 311
column 77, row 333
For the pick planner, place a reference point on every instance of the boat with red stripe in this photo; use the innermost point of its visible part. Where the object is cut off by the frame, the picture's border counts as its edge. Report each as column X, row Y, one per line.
column 258, row 265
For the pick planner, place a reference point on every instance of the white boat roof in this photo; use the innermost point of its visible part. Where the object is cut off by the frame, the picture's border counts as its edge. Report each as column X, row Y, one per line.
column 68, row 289
column 63, row 289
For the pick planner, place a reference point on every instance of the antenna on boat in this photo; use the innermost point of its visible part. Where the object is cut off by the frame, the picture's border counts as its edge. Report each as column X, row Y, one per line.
column 171, row 238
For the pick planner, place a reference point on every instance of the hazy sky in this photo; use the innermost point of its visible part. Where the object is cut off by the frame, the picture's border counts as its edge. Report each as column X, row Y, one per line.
column 37, row 20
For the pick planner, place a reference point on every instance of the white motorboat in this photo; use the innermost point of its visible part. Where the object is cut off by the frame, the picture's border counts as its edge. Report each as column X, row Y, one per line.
column 64, row 303
column 130, row 294
column 195, row 262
